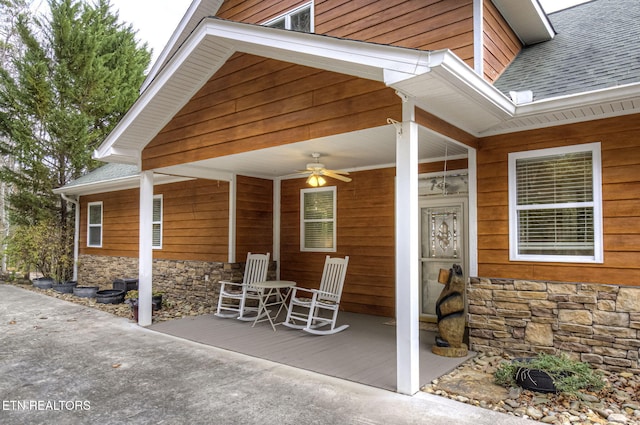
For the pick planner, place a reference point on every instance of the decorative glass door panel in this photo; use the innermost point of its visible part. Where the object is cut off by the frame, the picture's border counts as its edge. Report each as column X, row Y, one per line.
column 442, row 230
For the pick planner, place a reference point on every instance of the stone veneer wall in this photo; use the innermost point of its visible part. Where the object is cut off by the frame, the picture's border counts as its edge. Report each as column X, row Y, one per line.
column 598, row 324
column 178, row 279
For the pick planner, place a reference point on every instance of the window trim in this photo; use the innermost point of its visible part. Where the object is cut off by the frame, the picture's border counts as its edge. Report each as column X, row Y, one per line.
column 332, row 189
column 287, row 17
column 90, row 225
column 158, row 222
column 598, row 254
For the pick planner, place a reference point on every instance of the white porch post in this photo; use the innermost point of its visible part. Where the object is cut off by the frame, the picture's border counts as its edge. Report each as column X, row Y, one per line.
column 407, row 254
column 145, row 264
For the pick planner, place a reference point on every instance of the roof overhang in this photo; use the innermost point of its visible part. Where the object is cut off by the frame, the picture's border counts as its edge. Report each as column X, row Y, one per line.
column 437, row 81
column 527, row 19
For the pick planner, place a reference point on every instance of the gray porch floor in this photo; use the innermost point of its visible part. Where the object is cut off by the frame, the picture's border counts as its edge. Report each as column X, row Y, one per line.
column 363, row 353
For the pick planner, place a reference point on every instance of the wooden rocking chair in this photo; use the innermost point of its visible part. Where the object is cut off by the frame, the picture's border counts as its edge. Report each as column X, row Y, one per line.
column 234, row 295
column 306, row 313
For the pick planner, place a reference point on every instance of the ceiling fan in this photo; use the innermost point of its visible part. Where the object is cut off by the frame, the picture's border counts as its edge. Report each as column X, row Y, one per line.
column 317, row 172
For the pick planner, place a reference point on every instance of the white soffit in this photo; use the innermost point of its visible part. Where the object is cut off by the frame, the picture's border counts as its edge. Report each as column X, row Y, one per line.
column 527, row 19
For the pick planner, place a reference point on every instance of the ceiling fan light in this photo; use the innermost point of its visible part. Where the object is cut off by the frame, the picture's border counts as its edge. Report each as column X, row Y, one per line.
column 316, row 180
column 312, row 180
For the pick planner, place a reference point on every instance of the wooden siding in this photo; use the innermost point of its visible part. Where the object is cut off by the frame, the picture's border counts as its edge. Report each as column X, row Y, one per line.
column 499, row 43
column 195, row 222
column 254, row 216
column 621, row 202
column 426, row 25
column 438, row 125
column 256, row 11
column 254, row 103
column 365, row 232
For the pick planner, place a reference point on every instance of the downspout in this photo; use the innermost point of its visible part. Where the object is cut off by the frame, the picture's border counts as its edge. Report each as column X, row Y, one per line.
column 76, row 234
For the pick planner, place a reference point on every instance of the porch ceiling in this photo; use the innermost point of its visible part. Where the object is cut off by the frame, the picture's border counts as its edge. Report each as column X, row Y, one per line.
column 365, row 149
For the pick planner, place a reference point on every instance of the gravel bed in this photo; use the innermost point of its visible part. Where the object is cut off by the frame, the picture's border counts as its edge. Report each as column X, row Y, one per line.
column 472, row 383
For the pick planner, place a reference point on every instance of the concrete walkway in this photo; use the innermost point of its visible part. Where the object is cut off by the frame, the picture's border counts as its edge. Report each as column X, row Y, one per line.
column 64, row 363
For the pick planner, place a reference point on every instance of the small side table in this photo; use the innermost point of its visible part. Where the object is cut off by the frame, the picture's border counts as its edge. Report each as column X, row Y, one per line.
column 267, row 290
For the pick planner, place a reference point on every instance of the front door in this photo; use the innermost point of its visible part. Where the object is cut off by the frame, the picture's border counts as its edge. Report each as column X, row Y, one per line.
column 442, row 223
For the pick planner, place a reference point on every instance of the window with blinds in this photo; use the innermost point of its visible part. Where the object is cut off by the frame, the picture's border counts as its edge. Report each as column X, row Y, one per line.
column 157, row 222
column 555, row 204
column 318, row 219
column 94, row 224
column 299, row 19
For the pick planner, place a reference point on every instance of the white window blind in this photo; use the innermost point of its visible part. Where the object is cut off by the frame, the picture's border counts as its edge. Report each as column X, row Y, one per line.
column 318, row 210
column 157, row 222
column 554, row 204
column 94, row 224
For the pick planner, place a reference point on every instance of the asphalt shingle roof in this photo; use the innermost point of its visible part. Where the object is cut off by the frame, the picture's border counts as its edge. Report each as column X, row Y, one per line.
column 110, row 171
column 597, row 46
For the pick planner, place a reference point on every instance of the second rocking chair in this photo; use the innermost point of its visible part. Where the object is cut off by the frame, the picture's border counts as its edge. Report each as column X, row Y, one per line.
column 307, row 313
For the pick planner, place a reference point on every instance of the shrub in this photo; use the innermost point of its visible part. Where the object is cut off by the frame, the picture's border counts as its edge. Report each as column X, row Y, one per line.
column 569, row 376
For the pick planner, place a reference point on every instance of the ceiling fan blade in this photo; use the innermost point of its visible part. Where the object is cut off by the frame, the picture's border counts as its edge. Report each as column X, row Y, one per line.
column 303, row 171
column 336, row 171
column 334, row 175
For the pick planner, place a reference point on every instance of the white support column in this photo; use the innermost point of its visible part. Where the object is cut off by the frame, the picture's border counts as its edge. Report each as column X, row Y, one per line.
column 472, row 236
column 232, row 219
column 277, row 190
column 407, row 255
column 145, row 264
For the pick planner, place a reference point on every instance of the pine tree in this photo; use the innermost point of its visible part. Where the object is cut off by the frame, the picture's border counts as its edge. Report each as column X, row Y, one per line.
column 78, row 71
column 65, row 82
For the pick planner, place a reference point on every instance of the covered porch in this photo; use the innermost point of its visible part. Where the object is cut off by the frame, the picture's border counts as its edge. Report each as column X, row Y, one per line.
column 364, row 353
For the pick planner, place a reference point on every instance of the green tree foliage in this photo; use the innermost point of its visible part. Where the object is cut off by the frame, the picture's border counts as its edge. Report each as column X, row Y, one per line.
column 77, row 72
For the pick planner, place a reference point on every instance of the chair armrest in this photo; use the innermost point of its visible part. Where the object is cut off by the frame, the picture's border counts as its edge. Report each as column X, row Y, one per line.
column 295, row 290
column 227, row 282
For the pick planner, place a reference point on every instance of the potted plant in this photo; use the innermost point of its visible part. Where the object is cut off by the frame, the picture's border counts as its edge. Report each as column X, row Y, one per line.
column 549, row 373
column 131, row 298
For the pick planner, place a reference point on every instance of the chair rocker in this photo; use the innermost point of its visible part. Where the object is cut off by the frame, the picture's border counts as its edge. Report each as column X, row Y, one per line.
column 307, row 313
column 234, row 295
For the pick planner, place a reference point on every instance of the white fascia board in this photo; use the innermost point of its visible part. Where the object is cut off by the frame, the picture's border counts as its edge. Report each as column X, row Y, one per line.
column 197, row 9
column 105, row 150
column 294, row 46
column 114, row 185
column 454, row 70
column 581, row 100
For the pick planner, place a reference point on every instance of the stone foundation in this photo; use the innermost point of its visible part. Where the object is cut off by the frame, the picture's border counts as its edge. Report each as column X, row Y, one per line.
column 179, row 280
column 598, row 324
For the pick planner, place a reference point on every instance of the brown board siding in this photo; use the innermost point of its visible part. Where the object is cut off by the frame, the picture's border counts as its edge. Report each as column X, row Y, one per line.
column 427, row 25
column 255, row 103
column 254, row 216
column 365, row 233
column 195, row 222
column 438, row 125
column 500, row 43
column 256, row 11
column 621, row 203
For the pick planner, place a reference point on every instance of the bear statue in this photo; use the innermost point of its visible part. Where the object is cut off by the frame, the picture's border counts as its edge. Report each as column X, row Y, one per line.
column 450, row 313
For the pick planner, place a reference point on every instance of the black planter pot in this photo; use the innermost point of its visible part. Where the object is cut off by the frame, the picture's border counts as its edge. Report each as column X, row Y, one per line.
column 110, row 296
column 65, row 288
column 85, row 291
column 156, row 301
column 43, row 282
column 126, row 284
column 535, row 380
